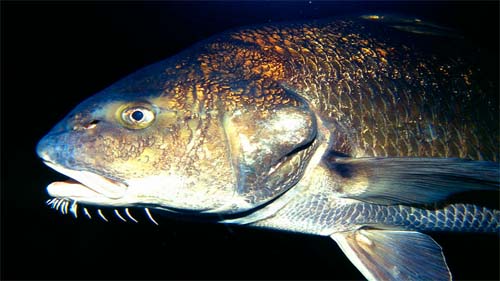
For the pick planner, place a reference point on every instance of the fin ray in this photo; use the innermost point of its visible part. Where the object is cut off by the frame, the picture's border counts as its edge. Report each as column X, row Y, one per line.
column 412, row 180
column 394, row 255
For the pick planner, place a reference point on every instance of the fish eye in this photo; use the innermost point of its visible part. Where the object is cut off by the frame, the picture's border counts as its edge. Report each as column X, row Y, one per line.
column 137, row 117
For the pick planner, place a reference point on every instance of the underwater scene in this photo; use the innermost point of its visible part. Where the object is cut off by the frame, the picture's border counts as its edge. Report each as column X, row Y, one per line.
column 345, row 140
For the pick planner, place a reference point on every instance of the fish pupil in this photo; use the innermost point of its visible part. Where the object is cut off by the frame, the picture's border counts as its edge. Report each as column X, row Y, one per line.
column 137, row 115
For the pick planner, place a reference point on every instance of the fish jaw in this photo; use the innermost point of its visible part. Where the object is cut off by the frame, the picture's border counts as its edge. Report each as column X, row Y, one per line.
column 87, row 187
column 94, row 189
column 163, row 192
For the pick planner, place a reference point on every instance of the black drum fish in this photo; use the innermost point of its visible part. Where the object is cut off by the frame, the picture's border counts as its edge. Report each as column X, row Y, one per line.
column 356, row 128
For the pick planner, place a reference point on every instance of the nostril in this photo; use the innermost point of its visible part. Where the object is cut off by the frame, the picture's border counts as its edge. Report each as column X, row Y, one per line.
column 86, row 126
column 92, row 124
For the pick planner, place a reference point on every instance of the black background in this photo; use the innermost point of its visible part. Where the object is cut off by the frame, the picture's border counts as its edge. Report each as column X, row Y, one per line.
column 56, row 54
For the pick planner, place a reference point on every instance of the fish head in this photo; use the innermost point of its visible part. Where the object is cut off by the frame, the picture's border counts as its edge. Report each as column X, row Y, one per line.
column 205, row 146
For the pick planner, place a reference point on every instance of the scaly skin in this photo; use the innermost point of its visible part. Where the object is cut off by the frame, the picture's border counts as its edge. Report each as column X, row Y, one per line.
column 375, row 96
column 378, row 96
column 360, row 88
column 320, row 209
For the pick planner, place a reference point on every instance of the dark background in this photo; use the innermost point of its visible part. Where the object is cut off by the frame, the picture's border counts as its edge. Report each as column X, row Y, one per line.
column 56, row 54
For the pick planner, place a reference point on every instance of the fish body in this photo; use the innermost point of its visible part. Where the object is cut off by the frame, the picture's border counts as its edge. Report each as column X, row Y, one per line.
column 351, row 128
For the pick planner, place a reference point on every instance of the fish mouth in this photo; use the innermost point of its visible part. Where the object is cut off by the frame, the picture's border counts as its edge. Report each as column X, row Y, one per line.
column 85, row 186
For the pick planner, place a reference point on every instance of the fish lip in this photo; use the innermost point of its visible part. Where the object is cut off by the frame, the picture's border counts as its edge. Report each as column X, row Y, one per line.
column 85, row 184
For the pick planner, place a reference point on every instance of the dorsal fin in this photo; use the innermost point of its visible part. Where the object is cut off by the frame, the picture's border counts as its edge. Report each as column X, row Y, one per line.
column 413, row 25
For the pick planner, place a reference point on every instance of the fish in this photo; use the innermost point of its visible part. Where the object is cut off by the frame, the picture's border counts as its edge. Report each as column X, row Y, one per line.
column 349, row 128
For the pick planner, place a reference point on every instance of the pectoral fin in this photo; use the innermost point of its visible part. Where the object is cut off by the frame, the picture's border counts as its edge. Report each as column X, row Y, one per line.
column 412, row 180
column 394, row 255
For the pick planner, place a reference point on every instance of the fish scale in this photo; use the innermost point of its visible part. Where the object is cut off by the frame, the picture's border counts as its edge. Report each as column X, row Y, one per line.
column 455, row 217
column 434, row 99
column 329, row 214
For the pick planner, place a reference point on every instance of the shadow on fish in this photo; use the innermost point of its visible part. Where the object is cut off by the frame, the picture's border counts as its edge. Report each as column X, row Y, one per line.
column 362, row 129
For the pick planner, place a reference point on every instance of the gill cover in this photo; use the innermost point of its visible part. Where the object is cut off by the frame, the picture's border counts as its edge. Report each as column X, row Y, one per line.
column 270, row 144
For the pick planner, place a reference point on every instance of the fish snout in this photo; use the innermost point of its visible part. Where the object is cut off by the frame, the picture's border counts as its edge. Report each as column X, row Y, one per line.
column 42, row 148
column 58, row 145
column 50, row 148
column 58, row 141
